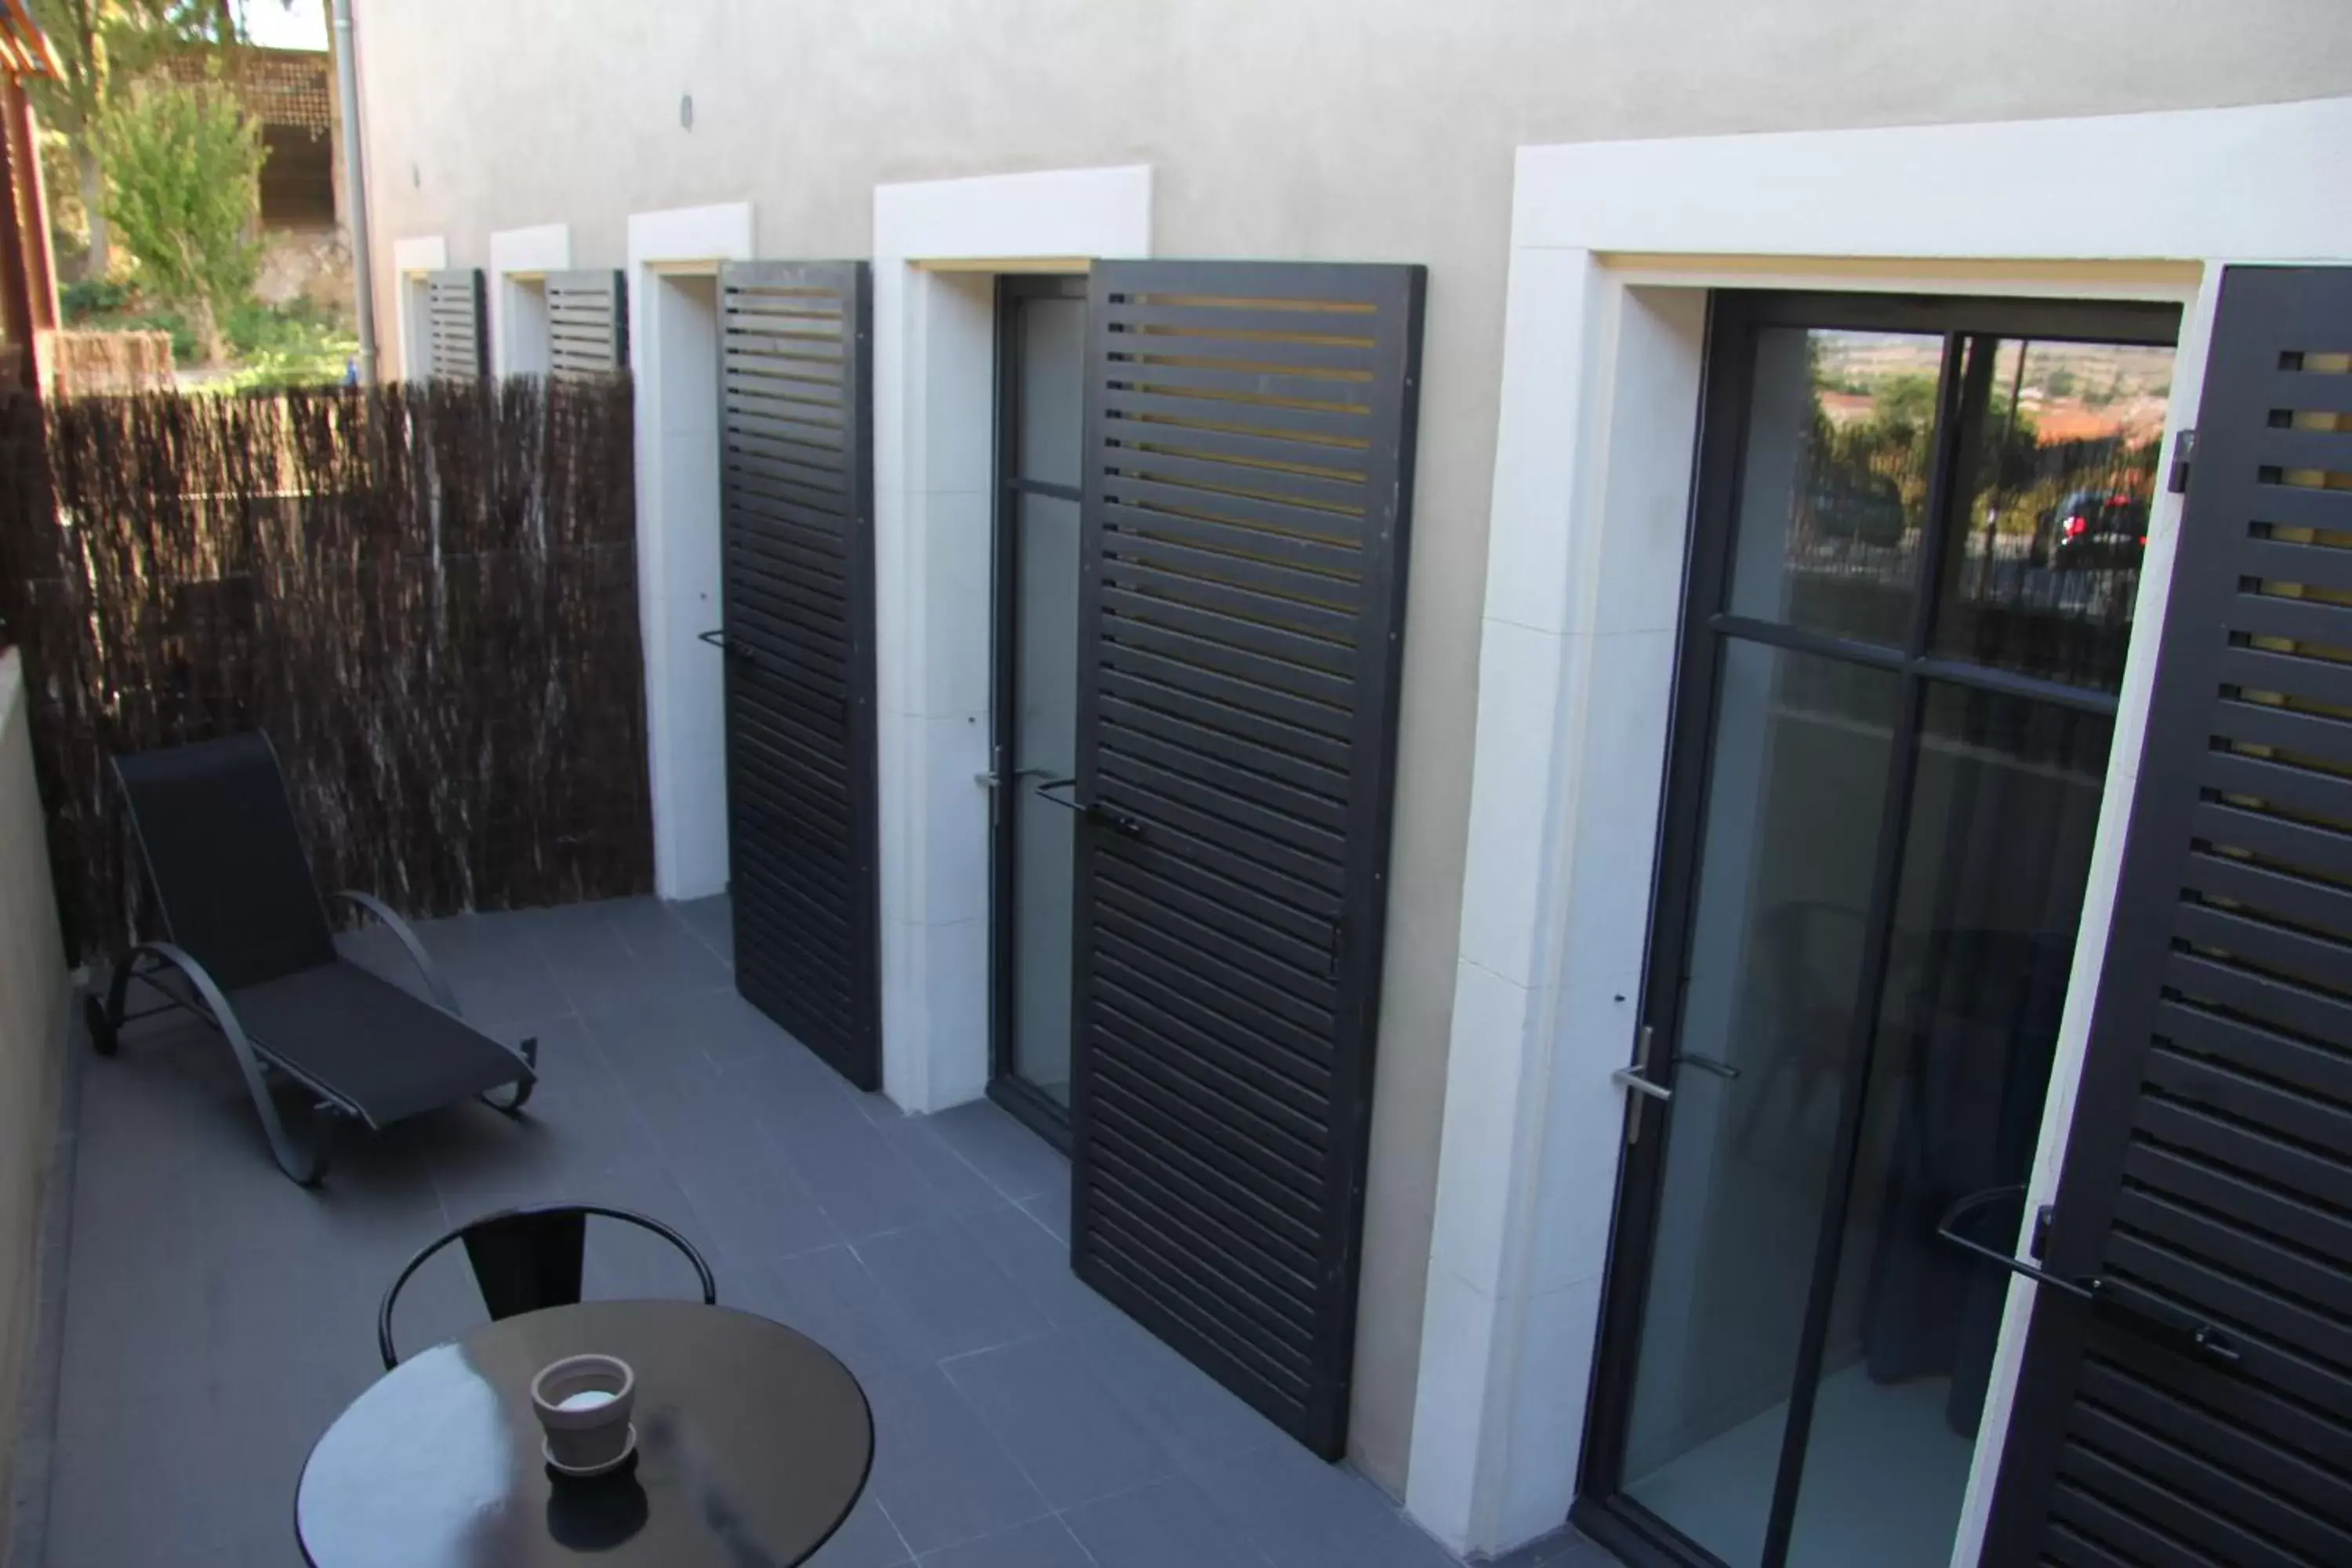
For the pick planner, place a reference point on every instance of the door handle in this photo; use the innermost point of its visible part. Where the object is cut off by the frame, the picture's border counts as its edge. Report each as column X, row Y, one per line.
column 1631, row 1077
column 1636, row 1081
column 1125, row 825
column 1723, row 1070
column 991, row 779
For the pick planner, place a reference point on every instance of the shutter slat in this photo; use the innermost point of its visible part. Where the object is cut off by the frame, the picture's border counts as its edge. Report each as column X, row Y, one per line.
column 2208, row 1169
column 453, row 306
column 797, row 586
column 1237, row 690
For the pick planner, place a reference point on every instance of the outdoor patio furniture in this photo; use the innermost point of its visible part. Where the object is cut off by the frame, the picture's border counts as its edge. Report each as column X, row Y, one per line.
column 525, row 1260
column 753, row 1443
column 249, row 950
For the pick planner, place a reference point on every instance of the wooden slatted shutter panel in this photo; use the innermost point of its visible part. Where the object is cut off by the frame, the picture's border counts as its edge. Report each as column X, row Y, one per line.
column 1248, row 483
column 2208, row 1183
column 797, row 580
column 587, row 324
column 453, row 304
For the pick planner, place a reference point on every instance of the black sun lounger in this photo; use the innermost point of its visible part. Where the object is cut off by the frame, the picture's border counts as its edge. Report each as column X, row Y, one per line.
column 250, row 952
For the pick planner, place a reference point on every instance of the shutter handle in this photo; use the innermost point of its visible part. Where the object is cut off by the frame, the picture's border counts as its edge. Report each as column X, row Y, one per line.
column 1949, row 1228
column 1126, row 826
column 2185, row 1330
column 728, row 646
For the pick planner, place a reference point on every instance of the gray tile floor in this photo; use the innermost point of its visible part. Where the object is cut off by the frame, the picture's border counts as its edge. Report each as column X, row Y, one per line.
column 218, row 1317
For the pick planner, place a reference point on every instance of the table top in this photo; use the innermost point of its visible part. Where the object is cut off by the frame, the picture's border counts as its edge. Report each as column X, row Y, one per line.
column 753, row 1444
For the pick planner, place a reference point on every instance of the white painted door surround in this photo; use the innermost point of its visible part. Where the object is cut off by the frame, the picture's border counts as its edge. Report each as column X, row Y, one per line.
column 521, row 259
column 675, row 340
column 412, row 259
column 938, row 246
column 1615, row 246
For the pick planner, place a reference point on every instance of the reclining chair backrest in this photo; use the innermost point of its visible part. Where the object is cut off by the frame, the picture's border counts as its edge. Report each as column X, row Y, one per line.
column 216, row 829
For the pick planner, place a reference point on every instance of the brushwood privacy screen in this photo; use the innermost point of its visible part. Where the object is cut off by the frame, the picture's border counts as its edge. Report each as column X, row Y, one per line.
column 424, row 595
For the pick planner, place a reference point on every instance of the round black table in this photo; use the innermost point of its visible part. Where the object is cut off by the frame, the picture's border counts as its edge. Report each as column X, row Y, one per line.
column 753, row 1444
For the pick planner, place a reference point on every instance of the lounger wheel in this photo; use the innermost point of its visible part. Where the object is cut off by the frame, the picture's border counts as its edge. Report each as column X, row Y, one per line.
column 103, row 1035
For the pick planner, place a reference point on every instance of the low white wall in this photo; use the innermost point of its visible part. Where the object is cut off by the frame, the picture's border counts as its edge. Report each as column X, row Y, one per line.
column 32, row 1034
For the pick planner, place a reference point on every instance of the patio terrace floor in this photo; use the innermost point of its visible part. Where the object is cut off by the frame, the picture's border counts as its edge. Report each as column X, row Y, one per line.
column 216, row 1317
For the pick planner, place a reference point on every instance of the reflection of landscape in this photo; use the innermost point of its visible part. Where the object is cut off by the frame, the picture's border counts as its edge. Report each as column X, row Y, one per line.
column 2059, row 448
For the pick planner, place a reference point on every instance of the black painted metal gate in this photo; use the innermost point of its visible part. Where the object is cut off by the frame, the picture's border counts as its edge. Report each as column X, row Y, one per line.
column 2196, row 1407
column 796, row 485
column 1248, row 474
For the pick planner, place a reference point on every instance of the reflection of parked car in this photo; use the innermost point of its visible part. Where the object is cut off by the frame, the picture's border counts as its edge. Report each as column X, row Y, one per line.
column 1864, row 507
column 2091, row 528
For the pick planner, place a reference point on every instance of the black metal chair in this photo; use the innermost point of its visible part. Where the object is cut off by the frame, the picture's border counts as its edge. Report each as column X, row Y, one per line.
column 526, row 1259
column 250, row 952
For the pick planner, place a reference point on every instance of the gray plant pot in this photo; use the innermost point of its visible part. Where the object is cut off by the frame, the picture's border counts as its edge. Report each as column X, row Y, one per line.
column 583, row 1404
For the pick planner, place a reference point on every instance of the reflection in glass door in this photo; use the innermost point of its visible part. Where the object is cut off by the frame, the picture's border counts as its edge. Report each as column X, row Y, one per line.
column 1919, row 536
column 1041, row 342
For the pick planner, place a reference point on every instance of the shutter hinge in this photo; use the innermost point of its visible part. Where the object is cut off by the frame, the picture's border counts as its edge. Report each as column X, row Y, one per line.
column 2184, row 453
column 2038, row 1244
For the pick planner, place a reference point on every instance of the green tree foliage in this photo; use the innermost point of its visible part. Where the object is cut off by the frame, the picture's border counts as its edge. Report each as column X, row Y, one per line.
column 103, row 45
column 184, row 165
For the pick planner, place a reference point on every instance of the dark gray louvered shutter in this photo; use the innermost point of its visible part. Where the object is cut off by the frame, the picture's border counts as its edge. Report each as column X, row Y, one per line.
column 587, row 324
column 453, row 307
column 797, row 579
column 1248, row 483
column 2200, row 1412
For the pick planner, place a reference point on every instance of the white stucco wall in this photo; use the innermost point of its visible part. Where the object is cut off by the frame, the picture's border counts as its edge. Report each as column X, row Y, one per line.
column 1343, row 130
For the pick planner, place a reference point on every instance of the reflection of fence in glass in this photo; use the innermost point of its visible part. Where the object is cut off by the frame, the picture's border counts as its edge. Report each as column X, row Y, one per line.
column 426, row 595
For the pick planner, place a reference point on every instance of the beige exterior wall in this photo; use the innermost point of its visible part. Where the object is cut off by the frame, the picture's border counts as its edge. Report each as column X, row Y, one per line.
column 32, row 1034
column 1330, row 130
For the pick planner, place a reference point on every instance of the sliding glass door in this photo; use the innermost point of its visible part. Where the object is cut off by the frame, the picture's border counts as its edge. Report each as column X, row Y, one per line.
column 1041, row 345
column 1919, row 534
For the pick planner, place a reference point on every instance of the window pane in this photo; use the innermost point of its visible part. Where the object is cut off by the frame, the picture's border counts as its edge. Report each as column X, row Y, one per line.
column 1045, row 747
column 2003, row 814
column 1833, row 482
column 2060, row 444
column 1053, row 388
column 1802, row 748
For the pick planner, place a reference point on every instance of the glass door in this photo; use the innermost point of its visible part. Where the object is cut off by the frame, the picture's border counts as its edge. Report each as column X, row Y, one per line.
column 1919, row 531
column 1041, row 345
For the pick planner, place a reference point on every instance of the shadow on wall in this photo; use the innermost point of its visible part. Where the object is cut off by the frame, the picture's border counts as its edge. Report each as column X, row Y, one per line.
column 32, row 1037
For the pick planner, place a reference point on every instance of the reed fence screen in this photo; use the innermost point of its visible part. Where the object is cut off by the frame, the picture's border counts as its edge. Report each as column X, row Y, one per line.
column 424, row 595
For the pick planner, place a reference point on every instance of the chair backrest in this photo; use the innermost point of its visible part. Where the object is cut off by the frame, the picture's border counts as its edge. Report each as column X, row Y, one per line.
column 526, row 1259
column 215, row 829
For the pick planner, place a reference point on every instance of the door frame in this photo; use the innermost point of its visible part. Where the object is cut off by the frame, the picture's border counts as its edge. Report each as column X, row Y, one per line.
column 1612, row 244
column 938, row 246
column 1707, row 629
column 1031, row 1106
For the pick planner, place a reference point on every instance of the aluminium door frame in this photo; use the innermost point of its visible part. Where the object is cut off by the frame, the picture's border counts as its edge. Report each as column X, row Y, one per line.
column 1603, row 1508
column 1029, row 1104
